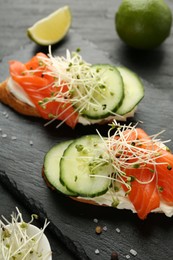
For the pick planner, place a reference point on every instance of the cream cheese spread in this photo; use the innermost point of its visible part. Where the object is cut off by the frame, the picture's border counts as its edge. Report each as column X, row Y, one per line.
column 124, row 203
column 86, row 121
column 18, row 92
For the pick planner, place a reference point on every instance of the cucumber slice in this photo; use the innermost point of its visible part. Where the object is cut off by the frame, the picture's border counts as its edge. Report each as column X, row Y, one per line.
column 51, row 166
column 133, row 90
column 84, row 157
column 100, row 99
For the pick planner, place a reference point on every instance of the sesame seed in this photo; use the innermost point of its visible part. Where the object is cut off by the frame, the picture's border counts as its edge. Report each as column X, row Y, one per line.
column 0, row 130
column 133, row 252
column 127, row 256
column 31, row 142
column 4, row 135
column 97, row 252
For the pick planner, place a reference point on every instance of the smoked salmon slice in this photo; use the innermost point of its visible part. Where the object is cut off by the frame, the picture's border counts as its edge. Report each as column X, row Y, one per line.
column 147, row 168
column 39, row 86
column 144, row 193
column 165, row 175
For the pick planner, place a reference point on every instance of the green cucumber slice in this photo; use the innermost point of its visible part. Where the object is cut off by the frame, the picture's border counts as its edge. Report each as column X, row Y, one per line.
column 84, row 157
column 133, row 91
column 51, row 167
column 104, row 96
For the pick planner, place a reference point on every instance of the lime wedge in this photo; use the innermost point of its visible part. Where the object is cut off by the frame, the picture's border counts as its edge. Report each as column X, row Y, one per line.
column 52, row 28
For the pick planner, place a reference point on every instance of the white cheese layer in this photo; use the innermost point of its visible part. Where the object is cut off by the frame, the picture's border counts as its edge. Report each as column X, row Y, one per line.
column 88, row 121
column 21, row 95
column 124, row 203
column 18, row 92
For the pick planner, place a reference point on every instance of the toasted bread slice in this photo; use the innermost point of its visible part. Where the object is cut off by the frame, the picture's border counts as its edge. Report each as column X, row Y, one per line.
column 9, row 99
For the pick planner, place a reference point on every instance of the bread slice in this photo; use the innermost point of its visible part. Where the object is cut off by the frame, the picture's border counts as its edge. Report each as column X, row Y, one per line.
column 9, row 99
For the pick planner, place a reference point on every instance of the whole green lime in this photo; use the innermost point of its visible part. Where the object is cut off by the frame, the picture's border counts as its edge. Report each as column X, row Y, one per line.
column 143, row 24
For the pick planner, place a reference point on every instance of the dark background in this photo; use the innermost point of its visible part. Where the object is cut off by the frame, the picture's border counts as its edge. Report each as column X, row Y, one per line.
column 93, row 31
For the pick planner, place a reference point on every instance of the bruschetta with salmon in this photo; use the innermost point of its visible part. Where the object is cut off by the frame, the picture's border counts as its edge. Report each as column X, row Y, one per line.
column 70, row 90
column 128, row 169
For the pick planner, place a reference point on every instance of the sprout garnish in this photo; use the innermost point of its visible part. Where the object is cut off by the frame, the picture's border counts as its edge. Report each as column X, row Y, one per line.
column 15, row 241
column 74, row 82
column 123, row 152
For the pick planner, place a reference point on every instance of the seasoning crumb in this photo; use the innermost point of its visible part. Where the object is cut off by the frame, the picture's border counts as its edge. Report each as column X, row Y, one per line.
column 98, row 230
column 133, row 252
column 95, row 220
column 105, row 228
column 97, row 252
column 117, row 230
column 13, row 138
column 114, row 256
column 31, row 142
column 4, row 113
column 127, row 256
column 4, row 135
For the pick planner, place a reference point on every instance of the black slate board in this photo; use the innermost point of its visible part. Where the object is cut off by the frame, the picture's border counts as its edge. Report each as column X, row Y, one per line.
column 22, row 163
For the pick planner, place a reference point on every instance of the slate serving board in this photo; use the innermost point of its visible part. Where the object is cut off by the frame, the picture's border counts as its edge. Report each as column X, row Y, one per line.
column 22, row 160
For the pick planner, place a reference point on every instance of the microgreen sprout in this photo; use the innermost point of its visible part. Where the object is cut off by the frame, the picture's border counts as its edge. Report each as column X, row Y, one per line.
column 17, row 243
column 122, row 150
column 128, row 152
column 75, row 82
